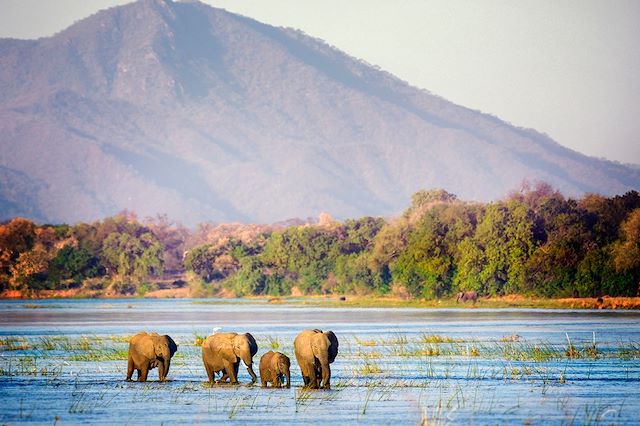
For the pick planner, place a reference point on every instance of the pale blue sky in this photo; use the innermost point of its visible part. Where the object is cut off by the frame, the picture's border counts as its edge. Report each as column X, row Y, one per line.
column 568, row 68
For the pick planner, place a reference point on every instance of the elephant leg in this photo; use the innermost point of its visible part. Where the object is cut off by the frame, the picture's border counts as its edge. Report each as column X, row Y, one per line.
column 161, row 372
column 236, row 368
column 209, row 371
column 129, row 369
column 142, row 373
column 326, row 377
column 224, row 376
column 231, row 372
column 312, row 380
column 306, row 375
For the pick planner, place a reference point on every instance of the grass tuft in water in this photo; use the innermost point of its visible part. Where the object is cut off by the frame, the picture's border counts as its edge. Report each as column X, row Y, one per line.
column 571, row 351
column 14, row 343
column 435, row 338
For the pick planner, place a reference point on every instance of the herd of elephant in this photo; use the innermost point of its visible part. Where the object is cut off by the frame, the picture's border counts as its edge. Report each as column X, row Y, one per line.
column 222, row 353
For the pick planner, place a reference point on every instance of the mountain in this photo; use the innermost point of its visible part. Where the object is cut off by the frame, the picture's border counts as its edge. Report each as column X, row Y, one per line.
column 184, row 109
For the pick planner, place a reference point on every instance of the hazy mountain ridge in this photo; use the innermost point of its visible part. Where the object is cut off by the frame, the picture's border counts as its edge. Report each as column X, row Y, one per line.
column 183, row 109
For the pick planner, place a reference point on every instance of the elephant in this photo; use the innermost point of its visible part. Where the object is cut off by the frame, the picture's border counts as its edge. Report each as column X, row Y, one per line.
column 148, row 351
column 274, row 366
column 467, row 295
column 314, row 352
column 222, row 353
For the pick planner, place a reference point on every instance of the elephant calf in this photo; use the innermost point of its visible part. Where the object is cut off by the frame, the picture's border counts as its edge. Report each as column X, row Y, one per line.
column 274, row 366
column 148, row 351
column 314, row 351
column 222, row 352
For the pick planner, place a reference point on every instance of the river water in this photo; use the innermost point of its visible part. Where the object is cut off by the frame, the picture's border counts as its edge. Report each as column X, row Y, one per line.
column 65, row 361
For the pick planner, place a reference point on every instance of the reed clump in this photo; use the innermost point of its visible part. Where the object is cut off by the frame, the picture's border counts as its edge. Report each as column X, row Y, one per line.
column 198, row 340
column 365, row 342
column 436, row 338
column 571, row 351
column 14, row 343
column 368, row 369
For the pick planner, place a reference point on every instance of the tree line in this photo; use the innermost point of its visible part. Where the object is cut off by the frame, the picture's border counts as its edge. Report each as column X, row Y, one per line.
column 532, row 242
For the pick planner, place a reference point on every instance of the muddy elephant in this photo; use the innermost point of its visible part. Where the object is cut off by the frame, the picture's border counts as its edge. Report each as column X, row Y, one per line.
column 148, row 351
column 467, row 295
column 222, row 353
column 274, row 367
column 314, row 352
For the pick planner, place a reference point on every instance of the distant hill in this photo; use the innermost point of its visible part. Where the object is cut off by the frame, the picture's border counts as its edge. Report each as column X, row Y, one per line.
column 183, row 109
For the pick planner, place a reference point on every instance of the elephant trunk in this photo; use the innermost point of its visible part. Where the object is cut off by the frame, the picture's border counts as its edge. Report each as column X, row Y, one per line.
column 326, row 375
column 254, row 378
column 284, row 370
column 166, row 363
column 246, row 359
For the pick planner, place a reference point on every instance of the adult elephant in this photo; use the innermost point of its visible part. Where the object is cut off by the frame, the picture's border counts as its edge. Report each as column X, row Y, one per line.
column 467, row 295
column 314, row 351
column 222, row 352
column 148, row 351
column 274, row 367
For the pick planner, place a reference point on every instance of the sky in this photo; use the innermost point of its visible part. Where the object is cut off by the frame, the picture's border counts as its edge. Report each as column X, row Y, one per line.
column 567, row 68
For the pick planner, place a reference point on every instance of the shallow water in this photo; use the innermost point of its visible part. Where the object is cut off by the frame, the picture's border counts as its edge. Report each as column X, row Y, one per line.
column 66, row 360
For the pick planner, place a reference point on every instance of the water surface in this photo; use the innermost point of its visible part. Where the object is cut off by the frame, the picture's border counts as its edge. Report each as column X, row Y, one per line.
column 66, row 359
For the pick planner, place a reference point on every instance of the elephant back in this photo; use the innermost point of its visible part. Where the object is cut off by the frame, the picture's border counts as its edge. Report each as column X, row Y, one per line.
column 265, row 359
column 143, row 344
column 137, row 337
column 219, row 341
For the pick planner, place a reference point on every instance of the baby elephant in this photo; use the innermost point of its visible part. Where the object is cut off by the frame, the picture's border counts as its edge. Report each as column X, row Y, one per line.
column 274, row 366
column 148, row 351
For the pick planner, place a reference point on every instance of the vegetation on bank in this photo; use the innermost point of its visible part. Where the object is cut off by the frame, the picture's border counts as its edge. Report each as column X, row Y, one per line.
column 534, row 242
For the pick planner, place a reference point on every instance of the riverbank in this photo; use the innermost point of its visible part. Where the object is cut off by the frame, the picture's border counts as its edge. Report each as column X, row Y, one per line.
column 370, row 301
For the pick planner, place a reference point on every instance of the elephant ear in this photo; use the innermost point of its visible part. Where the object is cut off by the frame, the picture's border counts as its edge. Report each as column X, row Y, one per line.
column 333, row 347
column 253, row 345
column 283, row 362
column 173, row 347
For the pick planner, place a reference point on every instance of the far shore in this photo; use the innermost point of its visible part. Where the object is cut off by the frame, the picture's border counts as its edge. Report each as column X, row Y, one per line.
column 367, row 301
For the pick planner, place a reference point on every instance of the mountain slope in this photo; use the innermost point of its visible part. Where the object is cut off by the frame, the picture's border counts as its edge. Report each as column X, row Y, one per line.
column 184, row 109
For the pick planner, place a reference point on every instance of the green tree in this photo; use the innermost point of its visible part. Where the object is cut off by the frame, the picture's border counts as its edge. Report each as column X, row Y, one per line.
column 492, row 261
column 128, row 256
column 552, row 268
column 425, row 266
column 73, row 264
column 303, row 254
column 249, row 279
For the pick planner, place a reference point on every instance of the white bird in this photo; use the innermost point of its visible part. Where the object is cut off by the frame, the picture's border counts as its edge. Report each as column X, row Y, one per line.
column 215, row 330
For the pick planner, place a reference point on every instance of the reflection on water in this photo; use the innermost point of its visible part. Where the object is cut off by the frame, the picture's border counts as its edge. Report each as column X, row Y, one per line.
column 395, row 365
